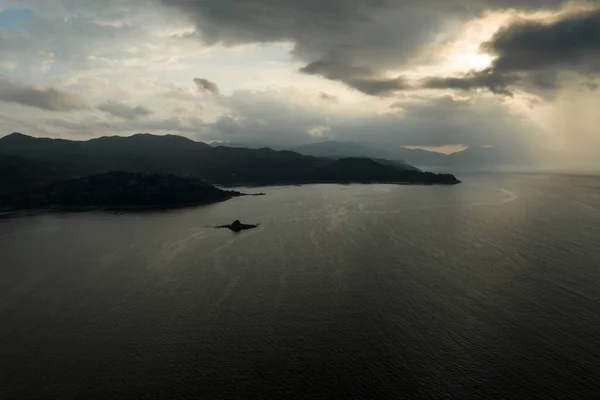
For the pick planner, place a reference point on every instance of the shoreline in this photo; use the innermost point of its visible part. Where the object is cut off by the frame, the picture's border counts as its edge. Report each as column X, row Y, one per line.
column 286, row 183
column 114, row 209
column 166, row 207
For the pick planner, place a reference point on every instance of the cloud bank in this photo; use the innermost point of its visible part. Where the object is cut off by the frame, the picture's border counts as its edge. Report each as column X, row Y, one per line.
column 124, row 111
column 356, row 42
column 537, row 55
column 49, row 99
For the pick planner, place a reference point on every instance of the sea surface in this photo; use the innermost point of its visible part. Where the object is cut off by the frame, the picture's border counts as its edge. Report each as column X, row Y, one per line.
column 485, row 290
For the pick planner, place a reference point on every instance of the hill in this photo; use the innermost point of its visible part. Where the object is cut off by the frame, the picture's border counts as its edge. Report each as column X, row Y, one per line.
column 402, row 156
column 18, row 172
column 175, row 155
column 117, row 190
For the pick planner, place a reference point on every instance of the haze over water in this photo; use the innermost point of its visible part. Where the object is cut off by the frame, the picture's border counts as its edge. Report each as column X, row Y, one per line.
column 489, row 289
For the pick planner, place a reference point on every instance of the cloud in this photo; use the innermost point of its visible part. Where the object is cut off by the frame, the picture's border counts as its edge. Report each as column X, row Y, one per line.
column 379, row 87
column 357, row 42
column 13, row 17
column 124, row 111
column 537, row 55
column 363, row 79
column 496, row 83
column 171, row 124
column 328, row 97
column 206, row 86
column 72, row 38
column 571, row 42
column 94, row 35
column 352, row 41
column 91, row 126
column 49, row 99
column 285, row 119
column 439, row 121
column 182, row 93
column 141, row 52
column 320, row 131
column 278, row 118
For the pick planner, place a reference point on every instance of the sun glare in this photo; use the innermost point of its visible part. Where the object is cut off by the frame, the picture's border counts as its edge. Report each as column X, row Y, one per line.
column 464, row 54
column 471, row 59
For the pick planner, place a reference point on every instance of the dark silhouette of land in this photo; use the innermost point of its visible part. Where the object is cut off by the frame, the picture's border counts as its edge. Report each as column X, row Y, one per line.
column 27, row 162
column 118, row 190
column 237, row 226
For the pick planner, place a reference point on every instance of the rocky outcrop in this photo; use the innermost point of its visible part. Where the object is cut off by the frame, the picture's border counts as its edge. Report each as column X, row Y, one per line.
column 237, row 226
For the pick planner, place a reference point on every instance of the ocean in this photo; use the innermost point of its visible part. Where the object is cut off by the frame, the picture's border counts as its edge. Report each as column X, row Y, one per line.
column 485, row 290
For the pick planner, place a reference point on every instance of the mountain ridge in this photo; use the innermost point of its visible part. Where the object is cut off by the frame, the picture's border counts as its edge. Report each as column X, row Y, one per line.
column 175, row 155
column 480, row 158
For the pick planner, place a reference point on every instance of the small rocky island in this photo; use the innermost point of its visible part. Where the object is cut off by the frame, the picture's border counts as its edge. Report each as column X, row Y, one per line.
column 118, row 191
column 237, row 226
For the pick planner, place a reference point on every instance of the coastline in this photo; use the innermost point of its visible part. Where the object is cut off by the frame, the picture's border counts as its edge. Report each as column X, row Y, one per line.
column 288, row 183
column 115, row 209
column 7, row 213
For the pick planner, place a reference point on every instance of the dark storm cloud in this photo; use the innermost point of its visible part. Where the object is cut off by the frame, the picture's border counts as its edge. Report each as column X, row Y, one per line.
column 361, row 78
column 206, row 86
column 236, row 21
column 352, row 41
column 496, row 83
column 124, row 111
column 571, row 43
column 49, row 99
column 532, row 54
column 378, row 86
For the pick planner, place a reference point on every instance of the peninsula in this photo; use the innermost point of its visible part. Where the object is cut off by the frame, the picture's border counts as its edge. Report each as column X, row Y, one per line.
column 117, row 191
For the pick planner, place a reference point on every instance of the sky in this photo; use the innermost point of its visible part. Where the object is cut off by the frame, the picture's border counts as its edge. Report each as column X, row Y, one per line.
column 435, row 74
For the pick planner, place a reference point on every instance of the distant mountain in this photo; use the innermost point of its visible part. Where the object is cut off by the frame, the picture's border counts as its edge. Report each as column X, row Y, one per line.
column 473, row 158
column 175, row 155
column 336, row 149
column 339, row 149
column 237, row 145
column 497, row 158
